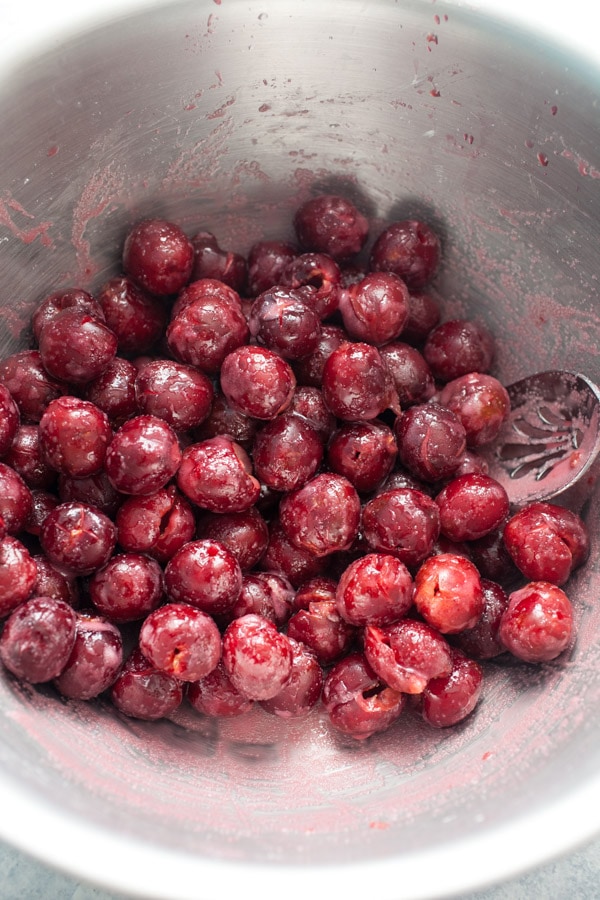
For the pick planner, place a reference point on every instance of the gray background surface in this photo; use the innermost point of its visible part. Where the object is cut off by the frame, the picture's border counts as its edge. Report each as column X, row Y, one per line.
column 575, row 877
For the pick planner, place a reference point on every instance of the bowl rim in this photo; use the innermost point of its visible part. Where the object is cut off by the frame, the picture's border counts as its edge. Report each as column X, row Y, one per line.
column 95, row 855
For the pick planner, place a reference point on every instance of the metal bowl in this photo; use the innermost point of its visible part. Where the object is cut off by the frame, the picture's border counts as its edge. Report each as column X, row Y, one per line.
column 226, row 114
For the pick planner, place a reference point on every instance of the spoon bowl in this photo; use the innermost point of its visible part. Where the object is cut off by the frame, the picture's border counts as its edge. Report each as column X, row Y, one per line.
column 551, row 436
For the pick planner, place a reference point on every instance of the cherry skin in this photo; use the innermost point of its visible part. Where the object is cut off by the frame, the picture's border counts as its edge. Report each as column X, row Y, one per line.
column 471, row 506
column 114, row 391
column 217, row 475
column 323, row 630
column 38, row 638
column 309, row 371
column 30, row 385
column 74, row 435
column 303, row 688
column 547, row 542
column 10, row 419
column 205, row 574
column 267, row 261
column 458, row 347
column 376, row 308
column 449, row 699
column 481, row 403
column 411, row 249
column 207, row 323
column 407, row 655
column 266, row 594
column 363, row 452
column 94, row 490
column 297, row 564
column 245, row 533
column 281, row 320
column 78, row 538
column 158, row 256
column 180, row 395
column 448, row 593
column 127, row 588
column 375, row 589
column 538, row 624
column 322, row 275
column 211, row 261
column 143, row 455
column 410, row 372
column 257, row 382
column 143, row 692
column 76, row 347
column 215, row 695
column 228, row 422
column 257, row 658
column 137, row 318
column 181, row 641
column 483, row 640
column 323, row 515
column 431, row 441
column 18, row 574
column 287, row 452
column 424, row 315
column 356, row 700
column 51, row 582
column 403, row 522
column 16, row 500
column 95, row 659
column 158, row 524
column 356, row 383
column 332, row 225
column 53, row 304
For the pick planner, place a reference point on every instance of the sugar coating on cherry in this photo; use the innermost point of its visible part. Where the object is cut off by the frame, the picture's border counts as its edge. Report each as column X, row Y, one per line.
column 74, row 435
column 207, row 323
column 76, row 346
column 216, row 475
column 30, row 385
column 537, row 625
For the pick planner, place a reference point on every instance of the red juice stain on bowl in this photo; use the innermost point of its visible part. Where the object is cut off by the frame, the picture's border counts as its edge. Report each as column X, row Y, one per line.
column 26, row 235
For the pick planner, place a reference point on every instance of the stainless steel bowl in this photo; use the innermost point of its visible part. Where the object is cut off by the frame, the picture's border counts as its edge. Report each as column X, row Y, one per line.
column 227, row 114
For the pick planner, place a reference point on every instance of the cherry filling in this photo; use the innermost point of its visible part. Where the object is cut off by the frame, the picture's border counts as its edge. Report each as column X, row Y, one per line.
column 260, row 475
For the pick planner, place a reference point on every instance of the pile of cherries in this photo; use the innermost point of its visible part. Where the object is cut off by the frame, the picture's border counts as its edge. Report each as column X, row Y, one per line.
column 233, row 481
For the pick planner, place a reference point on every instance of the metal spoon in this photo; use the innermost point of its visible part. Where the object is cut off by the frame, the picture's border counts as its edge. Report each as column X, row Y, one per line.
column 551, row 436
